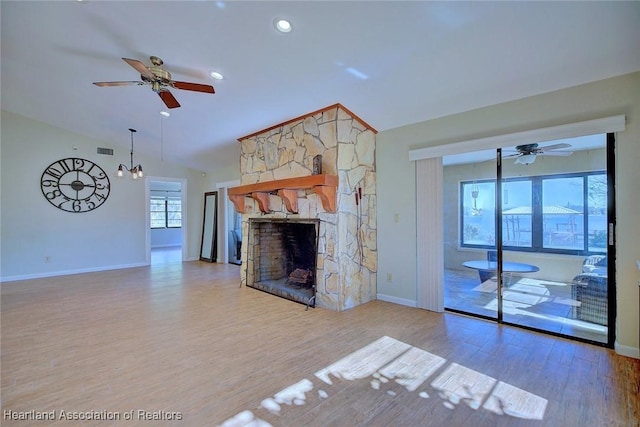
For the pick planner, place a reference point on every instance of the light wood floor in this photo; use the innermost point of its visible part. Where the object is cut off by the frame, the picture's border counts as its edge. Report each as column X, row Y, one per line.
column 183, row 337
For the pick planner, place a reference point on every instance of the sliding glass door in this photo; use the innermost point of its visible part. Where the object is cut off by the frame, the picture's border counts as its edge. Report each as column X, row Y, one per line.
column 554, row 224
column 471, row 281
column 535, row 235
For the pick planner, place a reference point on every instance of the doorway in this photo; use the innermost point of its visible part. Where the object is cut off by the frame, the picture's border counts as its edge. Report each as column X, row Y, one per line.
column 527, row 236
column 166, row 230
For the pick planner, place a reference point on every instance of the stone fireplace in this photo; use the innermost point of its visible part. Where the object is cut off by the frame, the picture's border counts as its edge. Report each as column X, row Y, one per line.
column 282, row 186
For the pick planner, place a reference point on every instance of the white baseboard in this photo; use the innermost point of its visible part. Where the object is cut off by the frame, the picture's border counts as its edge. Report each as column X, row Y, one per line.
column 69, row 272
column 396, row 300
column 624, row 350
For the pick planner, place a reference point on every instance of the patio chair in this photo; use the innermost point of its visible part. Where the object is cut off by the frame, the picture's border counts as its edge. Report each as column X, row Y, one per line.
column 590, row 289
column 492, row 256
column 595, row 264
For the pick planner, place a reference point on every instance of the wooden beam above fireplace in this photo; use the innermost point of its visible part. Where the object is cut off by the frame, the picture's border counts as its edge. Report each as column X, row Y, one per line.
column 324, row 185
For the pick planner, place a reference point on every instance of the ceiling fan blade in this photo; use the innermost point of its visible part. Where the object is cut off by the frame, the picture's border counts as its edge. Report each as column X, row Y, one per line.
column 140, row 67
column 196, row 87
column 106, row 84
column 168, row 99
column 555, row 147
column 556, row 153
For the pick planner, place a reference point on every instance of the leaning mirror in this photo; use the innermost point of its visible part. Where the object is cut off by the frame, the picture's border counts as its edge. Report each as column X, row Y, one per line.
column 208, row 246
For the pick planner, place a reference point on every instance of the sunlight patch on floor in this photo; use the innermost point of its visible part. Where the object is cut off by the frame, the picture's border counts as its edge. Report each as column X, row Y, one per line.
column 458, row 384
column 509, row 400
column 388, row 359
column 364, row 362
column 245, row 419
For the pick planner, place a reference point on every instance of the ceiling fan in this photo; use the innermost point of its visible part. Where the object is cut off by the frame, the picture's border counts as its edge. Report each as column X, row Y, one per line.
column 160, row 81
column 527, row 153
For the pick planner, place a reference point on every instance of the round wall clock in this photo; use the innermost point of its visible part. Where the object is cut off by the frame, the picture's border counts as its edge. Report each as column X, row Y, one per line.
column 75, row 185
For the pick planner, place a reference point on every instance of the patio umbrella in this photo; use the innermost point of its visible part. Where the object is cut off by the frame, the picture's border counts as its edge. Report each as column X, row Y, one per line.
column 553, row 209
column 512, row 229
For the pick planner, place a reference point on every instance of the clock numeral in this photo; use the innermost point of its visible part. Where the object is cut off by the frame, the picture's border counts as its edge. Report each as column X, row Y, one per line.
column 77, row 206
column 53, row 194
column 56, row 173
column 49, row 183
column 100, row 186
column 66, row 167
column 78, row 164
column 88, row 172
column 90, row 205
column 99, row 196
column 65, row 199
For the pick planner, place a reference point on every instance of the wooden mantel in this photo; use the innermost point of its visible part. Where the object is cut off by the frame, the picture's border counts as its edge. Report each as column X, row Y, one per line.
column 324, row 185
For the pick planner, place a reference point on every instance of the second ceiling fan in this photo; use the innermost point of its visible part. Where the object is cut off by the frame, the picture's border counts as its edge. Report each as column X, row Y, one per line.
column 160, row 81
column 527, row 153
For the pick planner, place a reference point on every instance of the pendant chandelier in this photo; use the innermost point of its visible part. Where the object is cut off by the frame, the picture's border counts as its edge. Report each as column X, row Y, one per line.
column 135, row 171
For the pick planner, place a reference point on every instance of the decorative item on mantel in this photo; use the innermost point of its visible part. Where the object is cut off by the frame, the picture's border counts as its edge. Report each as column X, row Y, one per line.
column 317, row 164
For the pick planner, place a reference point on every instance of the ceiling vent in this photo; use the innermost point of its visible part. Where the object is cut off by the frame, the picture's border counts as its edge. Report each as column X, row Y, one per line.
column 107, row 151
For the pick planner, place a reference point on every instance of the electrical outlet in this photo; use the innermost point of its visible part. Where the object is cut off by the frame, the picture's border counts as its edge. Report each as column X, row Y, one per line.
column 396, row 217
column 389, row 277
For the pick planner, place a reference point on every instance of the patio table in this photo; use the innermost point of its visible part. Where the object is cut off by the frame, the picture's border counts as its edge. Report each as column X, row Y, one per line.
column 507, row 266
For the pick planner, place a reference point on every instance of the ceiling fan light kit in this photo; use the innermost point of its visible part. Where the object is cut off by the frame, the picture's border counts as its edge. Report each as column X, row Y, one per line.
column 526, row 159
column 527, row 153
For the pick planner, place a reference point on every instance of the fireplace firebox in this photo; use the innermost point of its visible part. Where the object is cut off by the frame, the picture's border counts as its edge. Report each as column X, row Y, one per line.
column 284, row 257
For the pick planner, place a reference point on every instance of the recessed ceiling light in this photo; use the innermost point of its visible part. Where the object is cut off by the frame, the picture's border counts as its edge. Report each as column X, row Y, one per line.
column 216, row 75
column 282, row 25
column 165, row 113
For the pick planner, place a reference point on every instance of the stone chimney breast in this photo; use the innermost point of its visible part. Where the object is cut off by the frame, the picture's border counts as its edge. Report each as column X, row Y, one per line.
column 346, row 263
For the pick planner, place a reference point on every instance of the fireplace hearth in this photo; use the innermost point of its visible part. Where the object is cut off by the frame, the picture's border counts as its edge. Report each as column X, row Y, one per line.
column 284, row 257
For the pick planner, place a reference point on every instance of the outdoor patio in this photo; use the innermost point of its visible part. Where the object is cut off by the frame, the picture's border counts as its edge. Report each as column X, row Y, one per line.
column 536, row 303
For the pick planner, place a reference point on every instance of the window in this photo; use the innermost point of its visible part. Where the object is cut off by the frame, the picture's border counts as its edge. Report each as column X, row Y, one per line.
column 166, row 212
column 478, row 213
column 553, row 213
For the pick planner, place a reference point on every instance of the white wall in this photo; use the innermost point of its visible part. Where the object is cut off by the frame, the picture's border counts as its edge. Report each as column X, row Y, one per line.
column 166, row 237
column 396, row 181
column 111, row 236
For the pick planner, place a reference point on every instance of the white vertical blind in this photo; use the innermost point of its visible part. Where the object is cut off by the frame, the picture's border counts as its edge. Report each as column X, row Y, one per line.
column 430, row 233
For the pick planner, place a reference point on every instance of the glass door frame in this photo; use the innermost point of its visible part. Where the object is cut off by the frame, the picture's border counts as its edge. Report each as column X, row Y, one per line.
column 611, row 253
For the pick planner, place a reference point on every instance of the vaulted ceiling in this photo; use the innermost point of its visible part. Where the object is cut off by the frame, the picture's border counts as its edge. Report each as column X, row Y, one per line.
column 391, row 62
